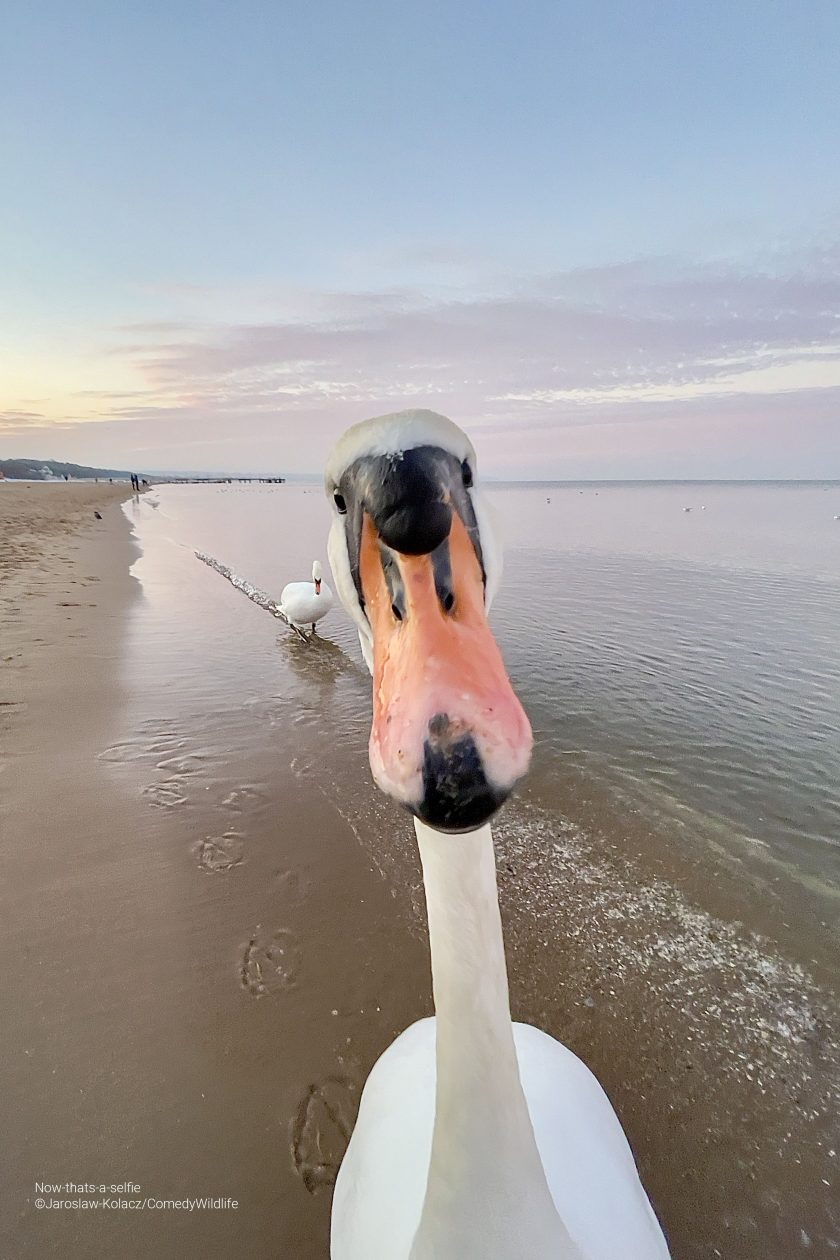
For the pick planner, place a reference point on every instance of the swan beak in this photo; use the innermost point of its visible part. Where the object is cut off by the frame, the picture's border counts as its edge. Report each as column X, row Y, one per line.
column 450, row 738
column 317, row 586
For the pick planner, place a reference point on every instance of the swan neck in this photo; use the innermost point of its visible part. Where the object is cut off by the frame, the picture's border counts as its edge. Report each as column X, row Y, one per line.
column 469, row 972
column 487, row 1194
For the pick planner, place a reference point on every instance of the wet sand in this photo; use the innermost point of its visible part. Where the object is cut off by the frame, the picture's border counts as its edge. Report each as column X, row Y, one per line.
column 175, row 1017
column 212, row 925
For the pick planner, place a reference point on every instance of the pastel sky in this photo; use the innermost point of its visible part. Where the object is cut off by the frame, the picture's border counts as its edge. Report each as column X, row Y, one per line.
column 603, row 237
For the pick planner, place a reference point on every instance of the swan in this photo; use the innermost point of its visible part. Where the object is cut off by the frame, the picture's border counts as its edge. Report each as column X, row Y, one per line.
column 304, row 603
column 477, row 1138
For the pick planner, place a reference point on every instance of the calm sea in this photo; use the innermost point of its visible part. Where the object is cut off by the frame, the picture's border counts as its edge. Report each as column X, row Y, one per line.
column 677, row 646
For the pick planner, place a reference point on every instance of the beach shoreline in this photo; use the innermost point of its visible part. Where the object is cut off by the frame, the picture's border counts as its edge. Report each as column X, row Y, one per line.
column 36, row 518
column 164, row 851
column 65, row 596
column 65, row 592
column 153, row 1036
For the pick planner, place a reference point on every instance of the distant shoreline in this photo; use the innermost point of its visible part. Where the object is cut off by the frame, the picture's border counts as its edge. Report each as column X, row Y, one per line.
column 292, row 479
column 673, row 481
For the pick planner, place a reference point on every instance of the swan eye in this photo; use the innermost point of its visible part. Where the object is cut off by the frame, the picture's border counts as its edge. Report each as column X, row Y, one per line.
column 466, row 474
column 340, row 503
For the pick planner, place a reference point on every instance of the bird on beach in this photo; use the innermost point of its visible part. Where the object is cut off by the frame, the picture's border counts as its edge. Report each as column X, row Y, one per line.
column 477, row 1138
column 98, row 515
column 305, row 603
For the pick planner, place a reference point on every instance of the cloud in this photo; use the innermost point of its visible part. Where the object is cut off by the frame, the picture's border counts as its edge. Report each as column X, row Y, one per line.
column 657, row 342
column 19, row 419
column 157, row 327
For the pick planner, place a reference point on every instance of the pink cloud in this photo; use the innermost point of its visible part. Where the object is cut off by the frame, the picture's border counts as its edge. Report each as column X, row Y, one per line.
column 650, row 365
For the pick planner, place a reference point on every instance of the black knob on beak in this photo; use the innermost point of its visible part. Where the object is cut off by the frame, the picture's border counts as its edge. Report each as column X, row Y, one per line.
column 416, row 530
column 456, row 794
column 406, row 502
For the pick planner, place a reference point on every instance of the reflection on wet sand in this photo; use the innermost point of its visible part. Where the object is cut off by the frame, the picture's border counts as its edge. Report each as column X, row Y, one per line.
column 317, row 664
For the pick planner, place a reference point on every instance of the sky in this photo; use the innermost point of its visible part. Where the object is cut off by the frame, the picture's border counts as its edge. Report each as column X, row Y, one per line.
column 604, row 238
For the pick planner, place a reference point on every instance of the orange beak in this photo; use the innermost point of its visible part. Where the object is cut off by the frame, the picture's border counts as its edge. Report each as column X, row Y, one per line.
column 449, row 738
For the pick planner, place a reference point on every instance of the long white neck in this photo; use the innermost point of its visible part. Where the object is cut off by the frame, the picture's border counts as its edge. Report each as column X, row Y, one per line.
column 487, row 1197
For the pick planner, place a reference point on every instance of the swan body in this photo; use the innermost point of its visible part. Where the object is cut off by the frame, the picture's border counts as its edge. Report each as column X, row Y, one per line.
column 382, row 1183
column 477, row 1138
column 473, row 1130
column 305, row 603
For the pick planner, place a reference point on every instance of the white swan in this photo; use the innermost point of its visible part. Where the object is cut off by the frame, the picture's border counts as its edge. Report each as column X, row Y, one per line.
column 304, row 603
column 477, row 1138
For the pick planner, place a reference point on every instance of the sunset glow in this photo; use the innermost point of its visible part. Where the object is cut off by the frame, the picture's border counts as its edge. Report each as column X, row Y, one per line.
column 222, row 245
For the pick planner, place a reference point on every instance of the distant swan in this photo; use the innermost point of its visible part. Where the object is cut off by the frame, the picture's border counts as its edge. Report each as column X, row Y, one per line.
column 477, row 1138
column 304, row 603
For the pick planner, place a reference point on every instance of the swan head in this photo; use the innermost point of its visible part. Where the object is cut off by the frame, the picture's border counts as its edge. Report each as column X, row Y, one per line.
column 316, row 575
column 416, row 565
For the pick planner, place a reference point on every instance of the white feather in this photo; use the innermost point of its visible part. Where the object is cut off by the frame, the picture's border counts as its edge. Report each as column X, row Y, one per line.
column 391, row 434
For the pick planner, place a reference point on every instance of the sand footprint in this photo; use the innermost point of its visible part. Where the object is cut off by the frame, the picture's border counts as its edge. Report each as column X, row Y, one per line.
column 182, row 763
column 321, row 1130
column 270, row 961
column 246, row 796
column 127, row 751
column 166, row 795
column 140, row 748
column 220, row 853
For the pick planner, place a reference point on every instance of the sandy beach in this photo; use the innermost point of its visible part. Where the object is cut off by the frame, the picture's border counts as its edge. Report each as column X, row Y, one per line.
column 36, row 517
column 65, row 589
column 143, row 1040
column 213, row 925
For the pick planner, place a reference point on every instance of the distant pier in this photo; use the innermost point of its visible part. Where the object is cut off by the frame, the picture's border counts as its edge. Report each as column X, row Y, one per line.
column 223, row 481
